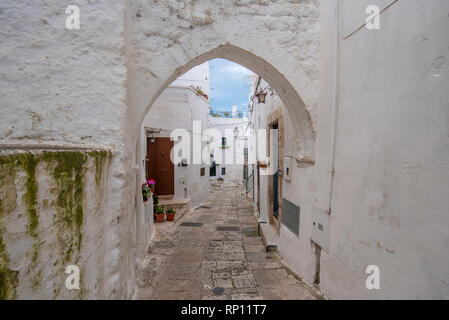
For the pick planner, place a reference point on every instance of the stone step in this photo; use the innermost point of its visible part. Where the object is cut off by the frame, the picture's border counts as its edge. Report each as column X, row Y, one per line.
column 269, row 236
column 174, row 203
column 181, row 206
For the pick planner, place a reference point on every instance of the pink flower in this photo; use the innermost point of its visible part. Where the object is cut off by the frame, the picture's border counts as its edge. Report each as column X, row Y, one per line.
column 151, row 182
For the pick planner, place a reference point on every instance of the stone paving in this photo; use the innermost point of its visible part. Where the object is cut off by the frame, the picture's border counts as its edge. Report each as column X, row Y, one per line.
column 201, row 262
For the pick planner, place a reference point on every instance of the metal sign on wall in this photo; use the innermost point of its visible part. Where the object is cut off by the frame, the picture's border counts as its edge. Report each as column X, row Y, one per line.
column 290, row 216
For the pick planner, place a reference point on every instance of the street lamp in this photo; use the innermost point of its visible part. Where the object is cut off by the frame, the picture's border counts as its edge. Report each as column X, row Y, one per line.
column 236, row 133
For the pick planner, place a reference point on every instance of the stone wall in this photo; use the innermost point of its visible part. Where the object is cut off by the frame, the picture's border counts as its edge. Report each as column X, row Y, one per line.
column 52, row 211
column 91, row 88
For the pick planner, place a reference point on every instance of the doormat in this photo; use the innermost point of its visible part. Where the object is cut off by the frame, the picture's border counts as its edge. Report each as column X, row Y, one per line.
column 228, row 228
column 191, row 224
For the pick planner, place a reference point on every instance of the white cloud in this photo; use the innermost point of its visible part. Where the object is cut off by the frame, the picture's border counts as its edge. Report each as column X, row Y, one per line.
column 234, row 69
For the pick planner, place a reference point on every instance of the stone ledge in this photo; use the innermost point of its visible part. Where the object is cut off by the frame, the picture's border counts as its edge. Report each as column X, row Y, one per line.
column 269, row 236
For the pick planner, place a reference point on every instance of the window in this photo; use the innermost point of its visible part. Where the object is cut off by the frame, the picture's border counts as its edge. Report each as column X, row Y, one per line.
column 223, row 171
column 223, row 141
column 202, row 172
column 245, row 151
column 245, row 172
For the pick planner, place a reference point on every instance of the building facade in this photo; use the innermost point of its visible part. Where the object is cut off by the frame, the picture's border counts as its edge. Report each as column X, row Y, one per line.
column 184, row 102
column 229, row 160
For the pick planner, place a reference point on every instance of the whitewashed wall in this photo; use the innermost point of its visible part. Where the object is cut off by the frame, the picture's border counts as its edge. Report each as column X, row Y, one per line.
column 177, row 108
column 388, row 203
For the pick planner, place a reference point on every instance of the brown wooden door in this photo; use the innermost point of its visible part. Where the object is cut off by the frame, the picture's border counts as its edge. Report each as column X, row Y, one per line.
column 159, row 165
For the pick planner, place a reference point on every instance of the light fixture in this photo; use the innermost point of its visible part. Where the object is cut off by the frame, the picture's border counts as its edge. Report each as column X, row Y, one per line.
column 236, row 133
column 261, row 96
column 150, row 133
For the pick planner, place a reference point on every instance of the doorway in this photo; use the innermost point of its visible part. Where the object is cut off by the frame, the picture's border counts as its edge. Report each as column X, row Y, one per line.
column 276, row 131
column 159, row 165
column 213, row 169
column 275, row 171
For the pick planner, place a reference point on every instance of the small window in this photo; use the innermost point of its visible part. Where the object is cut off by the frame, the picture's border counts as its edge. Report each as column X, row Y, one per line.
column 245, row 151
column 202, row 172
column 245, row 172
column 223, row 171
column 223, row 141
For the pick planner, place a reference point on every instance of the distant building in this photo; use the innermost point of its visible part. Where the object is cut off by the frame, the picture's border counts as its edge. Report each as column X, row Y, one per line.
column 234, row 140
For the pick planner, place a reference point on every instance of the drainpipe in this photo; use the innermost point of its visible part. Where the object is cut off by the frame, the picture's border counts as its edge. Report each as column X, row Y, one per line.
column 334, row 100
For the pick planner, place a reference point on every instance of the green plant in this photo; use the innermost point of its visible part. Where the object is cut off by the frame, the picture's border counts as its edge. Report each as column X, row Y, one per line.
column 170, row 210
column 160, row 210
column 199, row 91
column 146, row 192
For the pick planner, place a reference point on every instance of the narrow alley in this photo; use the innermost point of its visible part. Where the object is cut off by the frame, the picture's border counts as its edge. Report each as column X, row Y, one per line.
column 214, row 252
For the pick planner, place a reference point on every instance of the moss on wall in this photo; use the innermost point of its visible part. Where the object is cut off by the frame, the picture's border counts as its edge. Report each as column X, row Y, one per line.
column 8, row 196
column 67, row 169
column 28, row 161
column 100, row 158
column 8, row 277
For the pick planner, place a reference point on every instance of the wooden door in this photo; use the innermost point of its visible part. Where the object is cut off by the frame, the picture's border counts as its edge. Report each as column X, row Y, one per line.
column 159, row 165
column 275, row 171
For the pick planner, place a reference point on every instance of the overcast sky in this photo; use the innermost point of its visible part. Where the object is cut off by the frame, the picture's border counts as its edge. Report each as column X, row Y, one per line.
column 227, row 88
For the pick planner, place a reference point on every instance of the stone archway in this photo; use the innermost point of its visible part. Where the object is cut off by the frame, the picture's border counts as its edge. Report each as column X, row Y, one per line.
column 277, row 40
column 164, row 39
column 297, row 110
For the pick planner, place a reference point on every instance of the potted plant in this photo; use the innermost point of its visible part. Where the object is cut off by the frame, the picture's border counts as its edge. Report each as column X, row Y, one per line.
column 159, row 215
column 170, row 214
column 146, row 192
column 151, row 184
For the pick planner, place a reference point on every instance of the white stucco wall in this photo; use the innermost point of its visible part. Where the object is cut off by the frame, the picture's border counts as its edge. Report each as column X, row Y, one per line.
column 177, row 108
column 390, row 201
column 298, row 251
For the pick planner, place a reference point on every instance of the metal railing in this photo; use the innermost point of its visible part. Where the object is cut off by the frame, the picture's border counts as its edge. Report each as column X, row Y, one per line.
column 249, row 183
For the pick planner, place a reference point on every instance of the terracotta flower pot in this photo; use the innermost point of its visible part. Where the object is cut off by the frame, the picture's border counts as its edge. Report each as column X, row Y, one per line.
column 170, row 216
column 159, row 217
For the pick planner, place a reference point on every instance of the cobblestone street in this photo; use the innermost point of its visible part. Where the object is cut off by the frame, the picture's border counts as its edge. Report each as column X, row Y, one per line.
column 214, row 252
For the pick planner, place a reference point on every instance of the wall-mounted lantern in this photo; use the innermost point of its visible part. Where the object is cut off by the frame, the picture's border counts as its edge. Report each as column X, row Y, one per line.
column 261, row 96
column 236, row 132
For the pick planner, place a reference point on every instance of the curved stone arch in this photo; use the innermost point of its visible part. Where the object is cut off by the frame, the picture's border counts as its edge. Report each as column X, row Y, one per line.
column 294, row 104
